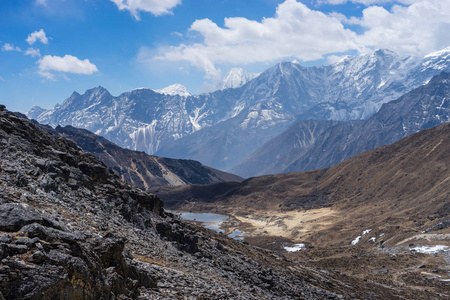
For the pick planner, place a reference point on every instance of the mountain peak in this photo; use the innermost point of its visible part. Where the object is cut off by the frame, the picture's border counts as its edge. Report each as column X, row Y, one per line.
column 235, row 78
column 94, row 91
column 383, row 52
column 174, row 89
column 441, row 52
column 35, row 112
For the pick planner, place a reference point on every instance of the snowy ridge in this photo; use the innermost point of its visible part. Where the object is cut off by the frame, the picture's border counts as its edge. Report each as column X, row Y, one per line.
column 174, row 89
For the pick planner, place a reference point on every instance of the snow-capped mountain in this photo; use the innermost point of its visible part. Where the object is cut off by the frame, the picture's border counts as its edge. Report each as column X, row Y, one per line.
column 174, row 89
column 235, row 78
column 222, row 128
column 309, row 145
column 141, row 119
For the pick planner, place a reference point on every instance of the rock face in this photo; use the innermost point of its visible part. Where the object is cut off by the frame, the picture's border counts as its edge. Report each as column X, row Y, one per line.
column 237, row 121
column 70, row 229
column 422, row 108
column 140, row 169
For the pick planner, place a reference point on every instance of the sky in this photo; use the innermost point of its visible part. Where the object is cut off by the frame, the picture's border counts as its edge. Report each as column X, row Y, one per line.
column 50, row 48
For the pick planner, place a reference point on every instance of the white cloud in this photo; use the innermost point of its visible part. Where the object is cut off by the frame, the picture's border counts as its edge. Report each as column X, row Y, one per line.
column 66, row 64
column 416, row 27
column 156, row 7
column 33, row 52
column 366, row 2
column 41, row 2
column 9, row 47
column 295, row 30
column 419, row 28
column 37, row 35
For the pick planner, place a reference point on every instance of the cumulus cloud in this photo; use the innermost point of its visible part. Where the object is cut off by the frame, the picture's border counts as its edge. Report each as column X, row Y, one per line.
column 37, row 35
column 33, row 52
column 66, row 64
column 10, row 47
column 366, row 2
column 156, row 7
column 295, row 30
column 417, row 29
column 409, row 27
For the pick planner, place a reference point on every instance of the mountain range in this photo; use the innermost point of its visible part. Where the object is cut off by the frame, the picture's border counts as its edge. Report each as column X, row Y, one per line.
column 223, row 128
column 310, row 145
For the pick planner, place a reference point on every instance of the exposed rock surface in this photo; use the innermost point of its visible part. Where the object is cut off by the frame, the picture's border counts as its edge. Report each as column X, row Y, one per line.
column 70, row 229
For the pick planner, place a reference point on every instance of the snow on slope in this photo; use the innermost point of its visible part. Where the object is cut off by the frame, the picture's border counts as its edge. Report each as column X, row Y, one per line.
column 235, row 78
column 174, row 89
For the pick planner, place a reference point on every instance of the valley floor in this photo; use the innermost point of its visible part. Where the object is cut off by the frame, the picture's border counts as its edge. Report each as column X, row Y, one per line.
column 412, row 266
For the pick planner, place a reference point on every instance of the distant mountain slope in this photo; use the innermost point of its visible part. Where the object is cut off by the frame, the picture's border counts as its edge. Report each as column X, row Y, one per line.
column 279, row 153
column 395, row 191
column 235, row 78
column 422, row 108
column 353, row 88
column 140, row 169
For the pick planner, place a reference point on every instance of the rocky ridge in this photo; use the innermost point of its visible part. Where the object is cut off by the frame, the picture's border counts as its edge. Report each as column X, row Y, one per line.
column 140, row 169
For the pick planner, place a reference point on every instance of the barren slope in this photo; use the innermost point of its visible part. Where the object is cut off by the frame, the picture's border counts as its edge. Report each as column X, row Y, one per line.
column 140, row 169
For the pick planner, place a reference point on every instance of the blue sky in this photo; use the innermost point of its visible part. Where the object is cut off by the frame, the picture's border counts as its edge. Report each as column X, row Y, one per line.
column 50, row 48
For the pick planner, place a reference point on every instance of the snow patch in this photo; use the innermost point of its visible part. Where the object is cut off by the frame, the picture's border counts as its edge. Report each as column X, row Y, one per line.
column 359, row 237
column 431, row 249
column 295, row 247
column 438, row 53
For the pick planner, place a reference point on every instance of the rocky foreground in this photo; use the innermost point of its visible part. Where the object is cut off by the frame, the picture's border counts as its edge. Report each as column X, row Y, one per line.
column 70, row 229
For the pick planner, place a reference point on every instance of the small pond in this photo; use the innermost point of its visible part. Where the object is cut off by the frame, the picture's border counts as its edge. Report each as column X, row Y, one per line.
column 211, row 221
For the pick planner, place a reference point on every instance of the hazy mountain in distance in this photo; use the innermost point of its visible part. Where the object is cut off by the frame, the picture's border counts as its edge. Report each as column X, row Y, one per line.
column 353, row 88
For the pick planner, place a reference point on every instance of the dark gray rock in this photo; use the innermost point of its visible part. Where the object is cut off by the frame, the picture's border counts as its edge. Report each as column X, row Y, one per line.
column 14, row 216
